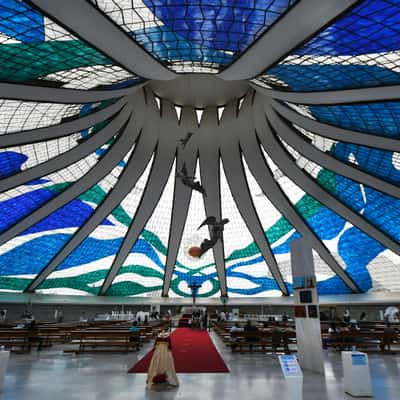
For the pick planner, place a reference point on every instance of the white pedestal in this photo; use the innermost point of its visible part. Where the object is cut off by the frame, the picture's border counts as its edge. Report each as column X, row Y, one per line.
column 309, row 344
column 357, row 378
column 308, row 327
column 4, row 356
column 293, row 376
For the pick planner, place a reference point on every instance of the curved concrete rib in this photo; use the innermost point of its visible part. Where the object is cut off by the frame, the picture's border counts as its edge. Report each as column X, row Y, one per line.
column 98, row 172
column 182, row 193
column 344, row 96
column 86, row 21
column 15, row 91
column 62, row 129
column 130, row 175
column 210, row 179
column 69, row 157
column 262, row 173
column 231, row 129
column 158, row 178
column 336, row 133
column 287, row 165
column 309, row 151
column 283, row 36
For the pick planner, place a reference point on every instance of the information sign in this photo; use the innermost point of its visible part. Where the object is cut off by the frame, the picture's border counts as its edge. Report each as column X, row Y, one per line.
column 289, row 365
column 358, row 359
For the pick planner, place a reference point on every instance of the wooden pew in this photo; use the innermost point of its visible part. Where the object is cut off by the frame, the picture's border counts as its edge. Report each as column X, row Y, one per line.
column 263, row 340
column 362, row 340
column 92, row 340
column 16, row 340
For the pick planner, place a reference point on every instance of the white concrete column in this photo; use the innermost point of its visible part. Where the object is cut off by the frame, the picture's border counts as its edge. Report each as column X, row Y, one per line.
column 308, row 328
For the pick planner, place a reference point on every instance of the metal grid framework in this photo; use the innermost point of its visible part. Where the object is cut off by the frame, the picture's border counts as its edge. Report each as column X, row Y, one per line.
column 358, row 50
column 90, row 200
column 195, row 35
column 36, row 50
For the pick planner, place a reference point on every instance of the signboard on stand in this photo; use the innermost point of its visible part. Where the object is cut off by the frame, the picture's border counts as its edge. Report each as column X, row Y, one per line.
column 290, row 366
column 293, row 375
column 357, row 378
column 4, row 356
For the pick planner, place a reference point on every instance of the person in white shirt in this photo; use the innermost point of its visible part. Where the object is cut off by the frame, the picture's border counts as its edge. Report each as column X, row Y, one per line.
column 236, row 328
column 234, row 340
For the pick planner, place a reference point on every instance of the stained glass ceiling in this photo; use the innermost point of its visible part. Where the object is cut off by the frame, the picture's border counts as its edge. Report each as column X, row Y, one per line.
column 361, row 49
column 195, row 35
column 36, row 50
column 92, row 199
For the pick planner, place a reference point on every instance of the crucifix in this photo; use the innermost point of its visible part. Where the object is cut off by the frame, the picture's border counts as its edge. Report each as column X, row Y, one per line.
column 194, row 288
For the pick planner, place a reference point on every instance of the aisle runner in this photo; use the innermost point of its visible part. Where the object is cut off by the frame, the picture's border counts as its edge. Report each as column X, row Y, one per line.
column 193, row 351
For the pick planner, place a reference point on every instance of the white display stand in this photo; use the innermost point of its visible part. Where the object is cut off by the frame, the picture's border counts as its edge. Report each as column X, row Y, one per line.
column 4, row 356
column 357, row 378
column 293, row 375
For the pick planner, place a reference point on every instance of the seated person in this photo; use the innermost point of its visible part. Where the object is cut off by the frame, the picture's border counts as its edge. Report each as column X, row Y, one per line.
column 249, row 327
column 236, row 328
column 347, row 339
column 276, row 337
column 332, row 328
column 363, row 316
column 346, row 316
column 234, row 340
column 34, row 334
column 222, row 316
column 389, row 334
column 353, row 325
column 134, row 327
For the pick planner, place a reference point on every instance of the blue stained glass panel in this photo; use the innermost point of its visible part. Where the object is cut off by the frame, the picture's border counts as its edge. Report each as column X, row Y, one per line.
column 19, row 260
column 308, row 78
column 379, row 209
column 20, row 21
column 379, row 163
column 360, row 49
column 169, row 45
column 328, row 225
column 14, row 209
column 188, row 35
column 10, row 163
column 216, row 24
column 371, row 27
column 381, row 119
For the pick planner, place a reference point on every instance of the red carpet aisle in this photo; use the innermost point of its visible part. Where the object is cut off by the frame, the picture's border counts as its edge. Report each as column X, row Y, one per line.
column 193, row 351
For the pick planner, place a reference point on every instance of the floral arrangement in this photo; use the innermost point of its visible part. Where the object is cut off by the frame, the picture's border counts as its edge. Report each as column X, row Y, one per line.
column 160, row 378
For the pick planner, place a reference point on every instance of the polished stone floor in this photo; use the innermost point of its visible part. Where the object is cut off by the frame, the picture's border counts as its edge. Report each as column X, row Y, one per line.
column 52, row 375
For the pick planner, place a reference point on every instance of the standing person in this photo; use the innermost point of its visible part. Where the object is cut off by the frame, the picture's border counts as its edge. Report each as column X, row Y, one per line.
column 205, row 319
column 284, row 317
column 346, row 316
column 161, row 373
